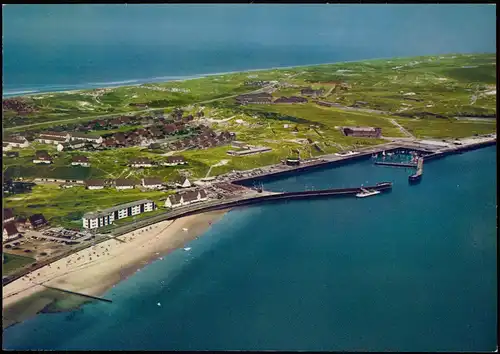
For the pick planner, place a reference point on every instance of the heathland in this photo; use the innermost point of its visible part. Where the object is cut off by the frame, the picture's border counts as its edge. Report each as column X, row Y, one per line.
column 438, row 97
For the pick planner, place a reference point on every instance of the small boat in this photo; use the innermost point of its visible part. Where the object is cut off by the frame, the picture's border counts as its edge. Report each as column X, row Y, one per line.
column 366, row 193
column 187, row 248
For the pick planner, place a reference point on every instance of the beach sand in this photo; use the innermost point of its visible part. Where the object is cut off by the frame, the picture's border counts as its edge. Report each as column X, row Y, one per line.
column 96, row 269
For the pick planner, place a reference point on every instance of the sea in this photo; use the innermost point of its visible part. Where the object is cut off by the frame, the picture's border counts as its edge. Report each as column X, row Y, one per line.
column 414, row 269
column 48, row 48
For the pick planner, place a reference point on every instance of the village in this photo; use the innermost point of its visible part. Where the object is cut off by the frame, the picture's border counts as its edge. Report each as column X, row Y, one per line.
column 167, row 160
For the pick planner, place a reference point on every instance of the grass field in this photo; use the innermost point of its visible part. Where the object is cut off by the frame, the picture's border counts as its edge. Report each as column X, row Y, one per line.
column 412, row 91
column 67, row 206
column 433, row 128
column 14, row 262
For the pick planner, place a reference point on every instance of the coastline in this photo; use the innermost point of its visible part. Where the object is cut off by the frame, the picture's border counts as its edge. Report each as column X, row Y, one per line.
column 98, row 270
column 164, row 79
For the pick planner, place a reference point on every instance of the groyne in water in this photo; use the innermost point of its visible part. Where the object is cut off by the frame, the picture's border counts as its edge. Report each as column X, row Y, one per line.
column 76, row 293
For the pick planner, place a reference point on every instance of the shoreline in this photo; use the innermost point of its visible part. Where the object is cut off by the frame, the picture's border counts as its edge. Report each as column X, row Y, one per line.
column 94, row 271
column 136, row 82
column 23, row 293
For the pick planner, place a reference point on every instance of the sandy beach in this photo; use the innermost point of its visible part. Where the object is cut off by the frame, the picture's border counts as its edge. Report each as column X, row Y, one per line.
column 96, row 269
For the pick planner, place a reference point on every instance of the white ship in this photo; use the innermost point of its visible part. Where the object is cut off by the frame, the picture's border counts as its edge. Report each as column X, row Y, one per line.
column 366, row 193
column 348, row 153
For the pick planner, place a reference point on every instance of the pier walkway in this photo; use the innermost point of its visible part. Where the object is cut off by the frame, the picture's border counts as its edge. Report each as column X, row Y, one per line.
column 417, row 176
column 395, row 164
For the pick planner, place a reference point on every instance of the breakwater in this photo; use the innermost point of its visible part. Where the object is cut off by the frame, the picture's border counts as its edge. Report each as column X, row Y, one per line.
column 325, row 163
column 76, row 293
column 276, row 197
column 458, row 150
column 395, row 164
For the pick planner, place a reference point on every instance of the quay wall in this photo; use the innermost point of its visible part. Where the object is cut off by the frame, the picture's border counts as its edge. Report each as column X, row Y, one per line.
column 175, row 214
column 457, row 150
column 325, row 164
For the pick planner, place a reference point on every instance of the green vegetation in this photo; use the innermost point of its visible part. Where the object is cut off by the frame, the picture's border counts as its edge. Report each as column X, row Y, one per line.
column 433, row 128
column 67, row 206
column 13, row 262
column 423, row 94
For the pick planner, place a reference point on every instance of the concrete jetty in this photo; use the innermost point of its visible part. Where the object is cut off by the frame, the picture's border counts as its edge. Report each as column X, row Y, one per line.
column 417, row 176
column 245, row 201
column 395, row 164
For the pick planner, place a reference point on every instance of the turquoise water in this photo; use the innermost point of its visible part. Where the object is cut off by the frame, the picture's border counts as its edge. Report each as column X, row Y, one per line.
column 413, row 269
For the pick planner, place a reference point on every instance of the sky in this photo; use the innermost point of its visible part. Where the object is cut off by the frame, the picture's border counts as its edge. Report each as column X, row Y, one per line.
column 76, row 43
column 427, row 27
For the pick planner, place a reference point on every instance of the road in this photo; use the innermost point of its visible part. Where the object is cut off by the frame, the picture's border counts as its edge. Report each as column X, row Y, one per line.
column 402, row 129
column 137, row 112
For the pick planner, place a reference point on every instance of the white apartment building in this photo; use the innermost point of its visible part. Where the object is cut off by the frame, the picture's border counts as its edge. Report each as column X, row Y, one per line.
column 105, row 217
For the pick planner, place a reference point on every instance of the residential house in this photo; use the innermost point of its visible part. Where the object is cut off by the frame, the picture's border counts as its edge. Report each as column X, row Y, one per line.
column 183, row 182
column 310, row 92
column 105, row 217
column 362, row 132
column 80, row 161
column 71, row 145
column 186, row 198
column 121, row 184
column 42, row 157
column 176, row 145
column 124, row 119
column 109, row 142
column 52, row 134
column 9, row 231
column 12, row 154
column 203, row 195
column 174, row 161
column 141, row 162
column 190, row 197
column 212, row 142
column 37, row 221
column 156, row 132
column 8, row 215
column 95, row 184
column 328, row 104
column 87, row 137
column 15, row 141
column 21, row 222
column 257, row 98
column 173, row 201
column 52, row 140
column 152, row 182
column 115, row 122
column 292, row 100
column 170, row 128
